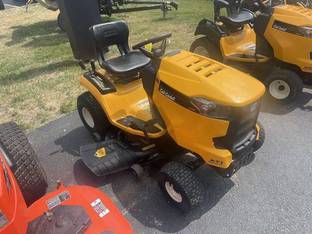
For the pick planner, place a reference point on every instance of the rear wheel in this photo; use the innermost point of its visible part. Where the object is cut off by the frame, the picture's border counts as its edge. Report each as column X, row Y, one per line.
column 204, row 47
column 284, row 86
column 181, row 186
column 92, row 115
column 26, row 167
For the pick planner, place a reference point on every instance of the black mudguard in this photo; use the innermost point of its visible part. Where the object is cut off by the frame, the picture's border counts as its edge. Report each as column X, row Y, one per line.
column 209, row 29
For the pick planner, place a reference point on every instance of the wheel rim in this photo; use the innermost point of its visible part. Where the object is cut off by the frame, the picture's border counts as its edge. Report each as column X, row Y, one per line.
column 279, row 89
column 87, row 117
column 177, row 197
column 201, row 51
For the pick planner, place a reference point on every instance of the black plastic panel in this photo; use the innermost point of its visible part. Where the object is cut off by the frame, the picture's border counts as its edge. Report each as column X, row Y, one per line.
column 79, row 16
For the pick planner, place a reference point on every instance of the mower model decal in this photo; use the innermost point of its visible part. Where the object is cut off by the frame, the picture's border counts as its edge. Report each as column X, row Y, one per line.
column 99, row 208
column 289, row 28
column 57, row 200
column 174, row 95
column 100, row 153
column 102, row 84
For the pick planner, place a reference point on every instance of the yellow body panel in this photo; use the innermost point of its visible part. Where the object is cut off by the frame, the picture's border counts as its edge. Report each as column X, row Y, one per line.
column 193, row 131
column 129, row 100
column 289, row 47
column 241, row 42
column 195, row 75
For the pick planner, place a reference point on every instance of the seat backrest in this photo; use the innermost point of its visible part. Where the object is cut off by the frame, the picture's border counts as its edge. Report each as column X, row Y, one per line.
column 78, row 16
column 231, row 6
column 109, row 34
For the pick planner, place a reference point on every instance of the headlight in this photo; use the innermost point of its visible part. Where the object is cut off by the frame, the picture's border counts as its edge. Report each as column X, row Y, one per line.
column 306, row 31
column 209, row 108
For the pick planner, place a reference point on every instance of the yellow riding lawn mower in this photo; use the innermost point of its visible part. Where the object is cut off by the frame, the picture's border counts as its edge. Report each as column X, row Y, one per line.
column 146, row 106
column 275, row 44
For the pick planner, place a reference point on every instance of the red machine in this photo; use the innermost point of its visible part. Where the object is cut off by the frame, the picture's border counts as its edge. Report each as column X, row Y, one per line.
column 72, row 209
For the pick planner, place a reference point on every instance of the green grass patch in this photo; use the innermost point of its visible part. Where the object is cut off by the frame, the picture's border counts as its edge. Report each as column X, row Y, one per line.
column 39, row 78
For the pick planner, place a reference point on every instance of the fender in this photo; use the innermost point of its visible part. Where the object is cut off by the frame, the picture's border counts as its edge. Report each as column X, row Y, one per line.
column 209, row 29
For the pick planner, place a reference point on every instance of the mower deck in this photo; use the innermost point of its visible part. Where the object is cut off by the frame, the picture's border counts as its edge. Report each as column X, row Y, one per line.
column 76, row 209
column 112, row 156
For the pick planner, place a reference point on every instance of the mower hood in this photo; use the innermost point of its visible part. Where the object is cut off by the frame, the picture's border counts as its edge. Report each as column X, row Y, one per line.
column 197, row 76
column 293, row 15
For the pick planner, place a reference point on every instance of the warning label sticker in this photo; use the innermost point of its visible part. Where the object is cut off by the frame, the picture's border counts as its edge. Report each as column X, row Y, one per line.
column 57, row 200
column 99, row 208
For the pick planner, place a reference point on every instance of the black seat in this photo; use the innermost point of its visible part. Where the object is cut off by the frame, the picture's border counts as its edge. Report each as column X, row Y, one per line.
column 129, row 63
column 236, row 17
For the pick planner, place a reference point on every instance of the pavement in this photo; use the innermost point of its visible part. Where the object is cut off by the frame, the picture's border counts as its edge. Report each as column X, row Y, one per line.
column 273, row 194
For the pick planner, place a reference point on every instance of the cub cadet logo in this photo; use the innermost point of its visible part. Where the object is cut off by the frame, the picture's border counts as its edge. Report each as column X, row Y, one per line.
column 167, row 94
column 279, row 27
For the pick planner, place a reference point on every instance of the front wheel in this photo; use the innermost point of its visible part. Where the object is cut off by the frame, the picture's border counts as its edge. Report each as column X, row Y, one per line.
column 284, row 86
column 181, row 186
column 26, row 167
column 204, row 47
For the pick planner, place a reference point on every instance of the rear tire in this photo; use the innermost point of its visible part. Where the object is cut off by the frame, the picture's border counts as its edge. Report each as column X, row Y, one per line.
column 181, row 186
column 283, row 86
column 27, row 170
column 204, row 47
column 259, row 143
column 92, row 115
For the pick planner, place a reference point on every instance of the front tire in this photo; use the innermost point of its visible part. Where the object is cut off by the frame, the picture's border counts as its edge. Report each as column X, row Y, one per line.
column 204, row 47
column 283, row 86
column 26, row 167
column 92, row 115
column 181, row 186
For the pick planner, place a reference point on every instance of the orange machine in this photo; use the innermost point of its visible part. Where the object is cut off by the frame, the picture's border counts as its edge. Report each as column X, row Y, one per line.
column 72, row 209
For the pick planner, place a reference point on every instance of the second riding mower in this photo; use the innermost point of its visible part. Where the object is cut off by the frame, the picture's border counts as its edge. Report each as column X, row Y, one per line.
column 25, row 208
column 148, row 106
column 275, row 45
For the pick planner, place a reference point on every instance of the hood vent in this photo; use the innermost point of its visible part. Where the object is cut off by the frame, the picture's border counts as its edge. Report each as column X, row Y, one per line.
column 201, row 66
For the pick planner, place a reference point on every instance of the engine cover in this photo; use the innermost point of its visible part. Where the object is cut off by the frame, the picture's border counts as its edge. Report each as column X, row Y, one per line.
column 61, row 219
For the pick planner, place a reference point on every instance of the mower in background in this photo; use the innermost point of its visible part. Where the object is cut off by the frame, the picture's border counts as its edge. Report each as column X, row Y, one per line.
column 275, row 45
column 25, row 209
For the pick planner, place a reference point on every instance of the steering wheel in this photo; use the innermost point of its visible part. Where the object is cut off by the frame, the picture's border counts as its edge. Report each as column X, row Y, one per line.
column 154, row 52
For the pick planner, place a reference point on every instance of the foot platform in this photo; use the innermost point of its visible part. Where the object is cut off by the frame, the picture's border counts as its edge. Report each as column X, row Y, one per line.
column 112, row 156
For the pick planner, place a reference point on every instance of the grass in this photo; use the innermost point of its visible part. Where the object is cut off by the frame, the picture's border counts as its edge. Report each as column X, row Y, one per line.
column 38, row 74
